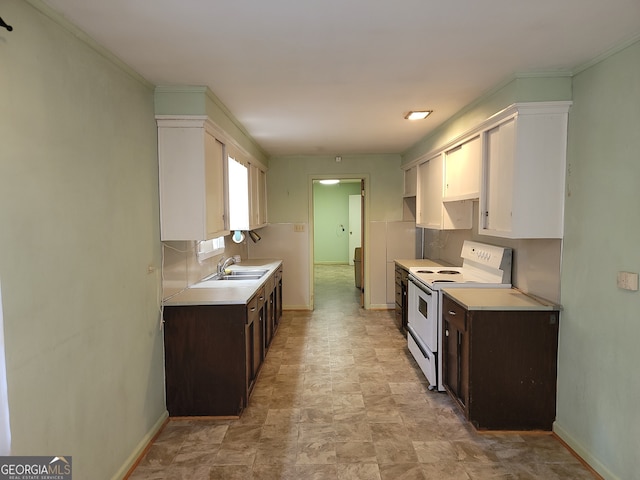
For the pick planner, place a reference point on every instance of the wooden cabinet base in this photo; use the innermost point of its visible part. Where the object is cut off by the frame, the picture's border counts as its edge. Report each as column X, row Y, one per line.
column 205, row 360
column 213, row 353
column 501, row 366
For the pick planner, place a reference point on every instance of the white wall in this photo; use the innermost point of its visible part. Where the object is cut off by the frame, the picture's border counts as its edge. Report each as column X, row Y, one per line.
column 598, row 385
column 78, row 231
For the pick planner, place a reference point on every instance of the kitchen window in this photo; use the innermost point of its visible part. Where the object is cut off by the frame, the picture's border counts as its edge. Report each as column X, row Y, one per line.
column 210, row 248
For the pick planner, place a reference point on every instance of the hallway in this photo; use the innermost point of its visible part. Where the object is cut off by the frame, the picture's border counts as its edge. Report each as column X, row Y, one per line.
column 340, row 398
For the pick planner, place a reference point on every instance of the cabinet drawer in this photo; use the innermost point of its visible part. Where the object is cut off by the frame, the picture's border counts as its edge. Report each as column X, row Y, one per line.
column 399, row 297
column 260, row 295
column 454, row 314
column 252, row 308
column 270, row 283
column 398, row 277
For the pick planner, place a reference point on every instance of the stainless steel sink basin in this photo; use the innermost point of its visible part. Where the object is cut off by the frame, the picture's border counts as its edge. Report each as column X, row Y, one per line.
column 238, row 275
column 246, row 273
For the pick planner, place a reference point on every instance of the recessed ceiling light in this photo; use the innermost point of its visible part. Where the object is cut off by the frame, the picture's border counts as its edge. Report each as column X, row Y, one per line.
column 329, row 182
column 418, row 114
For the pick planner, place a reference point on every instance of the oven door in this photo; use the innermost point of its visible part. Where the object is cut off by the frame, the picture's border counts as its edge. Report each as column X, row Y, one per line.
column 422, row 328
column 423, row 314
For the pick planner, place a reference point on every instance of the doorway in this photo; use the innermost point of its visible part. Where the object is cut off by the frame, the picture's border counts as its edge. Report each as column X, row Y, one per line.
column 337, row 224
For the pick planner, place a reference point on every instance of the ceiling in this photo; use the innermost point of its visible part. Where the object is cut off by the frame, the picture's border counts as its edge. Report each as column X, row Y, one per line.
column 338, row 76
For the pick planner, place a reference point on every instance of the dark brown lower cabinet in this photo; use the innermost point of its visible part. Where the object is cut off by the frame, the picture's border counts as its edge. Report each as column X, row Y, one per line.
column 213, row 354
column 401, row 310
column 277, row 297
column 207, row 352
column 501, row 366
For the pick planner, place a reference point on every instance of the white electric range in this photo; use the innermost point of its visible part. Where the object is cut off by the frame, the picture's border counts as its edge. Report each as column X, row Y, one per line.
column 483, row 266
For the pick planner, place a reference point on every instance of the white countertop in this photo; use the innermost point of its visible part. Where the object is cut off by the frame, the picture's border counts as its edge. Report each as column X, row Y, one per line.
column 420, row 262
column 225, row 292
column 498, row 299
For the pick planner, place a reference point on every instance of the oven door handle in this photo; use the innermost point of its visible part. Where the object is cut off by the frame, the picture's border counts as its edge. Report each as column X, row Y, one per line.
column 417, row 340
column 420, row 288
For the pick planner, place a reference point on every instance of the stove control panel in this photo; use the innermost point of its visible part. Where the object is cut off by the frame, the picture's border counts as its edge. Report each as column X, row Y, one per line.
column 489, row 255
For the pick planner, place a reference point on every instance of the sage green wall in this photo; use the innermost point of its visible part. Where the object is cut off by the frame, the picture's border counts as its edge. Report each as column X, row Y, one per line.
column 79, row 227
column 288, row 202
column 288, row 184
column 331, row 222
column 197, row 100
column 598, row 383
column 519, row 89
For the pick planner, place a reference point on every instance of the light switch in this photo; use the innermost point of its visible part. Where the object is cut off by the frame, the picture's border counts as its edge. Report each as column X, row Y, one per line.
column 628, row 281
column 298, row 227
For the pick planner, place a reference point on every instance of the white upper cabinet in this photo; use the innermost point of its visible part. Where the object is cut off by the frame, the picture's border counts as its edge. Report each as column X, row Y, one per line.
column 247, row 193
column 462, row 165
column 431, row 211
column 514, row 163
column 410, row 182
column 258, row 203
column 192, row 173
column 238, row 194
column 524, row 172
column 429, row 193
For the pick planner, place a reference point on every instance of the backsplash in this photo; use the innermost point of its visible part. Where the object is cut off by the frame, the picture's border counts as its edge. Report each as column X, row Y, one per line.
column 536, row 262
column 181, row 268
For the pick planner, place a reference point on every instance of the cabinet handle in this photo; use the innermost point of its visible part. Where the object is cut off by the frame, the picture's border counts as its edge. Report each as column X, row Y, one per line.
column 452, row 313
column 446, row 333
column 253, row 309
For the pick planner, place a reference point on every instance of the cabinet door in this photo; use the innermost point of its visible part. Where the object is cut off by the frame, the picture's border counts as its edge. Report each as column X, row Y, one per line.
column 451, row 368
column 498, row 187
column 429, row 195
column 411, row 182
column 262, row 197
column 214, row 180
column 192, row 180
column 253, row 319
column 250, row 373
column 456, row 351
column 239, row 193
column 278, row 298
column 462, row 171
column 258, row 196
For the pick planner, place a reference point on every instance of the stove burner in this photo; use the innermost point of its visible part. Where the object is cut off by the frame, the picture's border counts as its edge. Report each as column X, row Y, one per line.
column 448, row 272
column 425, row 271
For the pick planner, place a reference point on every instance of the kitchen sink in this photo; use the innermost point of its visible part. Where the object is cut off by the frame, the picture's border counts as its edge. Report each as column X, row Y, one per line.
column 246, row 273
column 238, row 275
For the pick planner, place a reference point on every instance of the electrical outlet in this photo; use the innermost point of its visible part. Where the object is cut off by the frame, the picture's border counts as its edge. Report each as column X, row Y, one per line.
column 628, row 281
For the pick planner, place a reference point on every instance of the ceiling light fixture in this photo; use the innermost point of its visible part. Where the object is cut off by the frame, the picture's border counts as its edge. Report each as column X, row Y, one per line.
column 329, row 182
column 418, row 114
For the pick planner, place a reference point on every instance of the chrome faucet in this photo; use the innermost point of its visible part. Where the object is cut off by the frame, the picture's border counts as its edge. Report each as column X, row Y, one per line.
column 224, row 263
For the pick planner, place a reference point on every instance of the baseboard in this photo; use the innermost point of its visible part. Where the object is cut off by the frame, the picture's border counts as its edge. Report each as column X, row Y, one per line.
column 382, row 306
column 294, row 308
column 141, row 449
column 584, row 455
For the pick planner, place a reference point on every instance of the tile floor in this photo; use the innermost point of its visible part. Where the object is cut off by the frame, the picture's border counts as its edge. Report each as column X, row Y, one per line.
column 340, row 398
